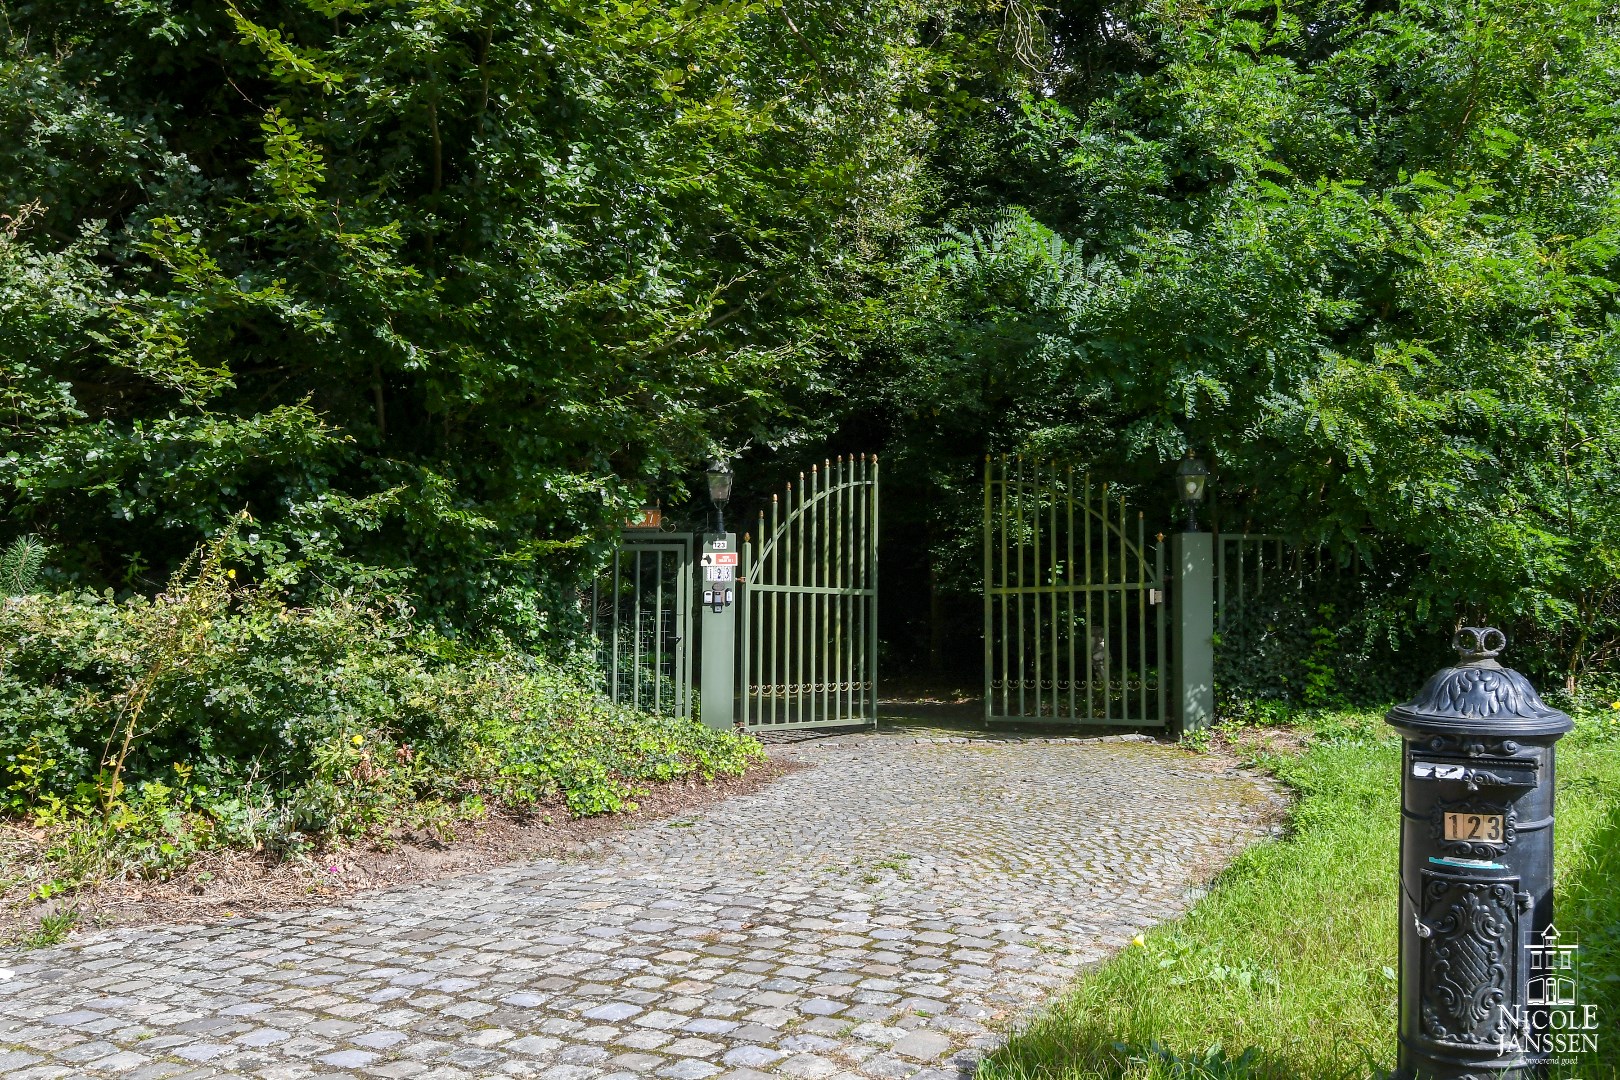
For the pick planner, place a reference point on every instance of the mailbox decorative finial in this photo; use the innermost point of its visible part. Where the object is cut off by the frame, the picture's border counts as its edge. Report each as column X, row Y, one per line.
column 1494, row 700
column 1477, row 643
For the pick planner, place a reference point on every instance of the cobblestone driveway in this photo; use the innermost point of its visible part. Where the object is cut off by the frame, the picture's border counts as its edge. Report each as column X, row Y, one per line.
column 876, row 914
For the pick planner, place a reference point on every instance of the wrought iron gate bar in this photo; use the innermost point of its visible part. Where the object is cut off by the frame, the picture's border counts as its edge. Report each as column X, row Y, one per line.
column 1044, row 590
column 1107, row 636
column 635, row 639
column 642, row 625
column 1069, row 588
column 658, row 620
column 1163, row 654
column 810, row 602
column 614, row 692
column 1066, row 585
column 1254, row 568
column 1141, row 616
column 1085, row 519
column 810, row 590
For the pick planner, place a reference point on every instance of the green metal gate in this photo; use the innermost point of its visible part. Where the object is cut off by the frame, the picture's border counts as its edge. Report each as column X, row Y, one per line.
column 1074, row 625
column 640, row 610
column 809, row 615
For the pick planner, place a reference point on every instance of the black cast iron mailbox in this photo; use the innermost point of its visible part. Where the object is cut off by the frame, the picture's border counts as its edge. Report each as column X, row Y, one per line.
column 1476, row 866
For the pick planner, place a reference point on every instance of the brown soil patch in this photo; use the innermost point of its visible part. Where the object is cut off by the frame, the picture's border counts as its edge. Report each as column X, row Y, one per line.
column 927, row 690
column 1249, row 741
column 1268, row 801
column 225, row 884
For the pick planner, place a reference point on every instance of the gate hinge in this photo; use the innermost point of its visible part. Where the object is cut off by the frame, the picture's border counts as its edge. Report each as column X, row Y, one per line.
column 1155, row 596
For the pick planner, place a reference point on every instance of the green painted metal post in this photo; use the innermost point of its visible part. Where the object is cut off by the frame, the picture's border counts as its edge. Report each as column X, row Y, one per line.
column 717, row 679
column 1194, row 629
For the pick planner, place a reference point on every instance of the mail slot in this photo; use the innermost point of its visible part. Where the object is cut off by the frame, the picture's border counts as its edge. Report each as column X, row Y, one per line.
column 1476, row 865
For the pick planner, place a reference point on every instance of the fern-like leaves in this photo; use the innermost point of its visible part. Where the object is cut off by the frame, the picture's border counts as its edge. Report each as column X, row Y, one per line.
column 20, row 565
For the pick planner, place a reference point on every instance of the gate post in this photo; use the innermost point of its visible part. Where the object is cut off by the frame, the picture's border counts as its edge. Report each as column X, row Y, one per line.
column 717, row 678
column 1194, row 629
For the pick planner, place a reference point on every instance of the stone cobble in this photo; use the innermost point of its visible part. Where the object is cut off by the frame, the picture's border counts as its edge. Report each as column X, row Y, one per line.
column 881, row 913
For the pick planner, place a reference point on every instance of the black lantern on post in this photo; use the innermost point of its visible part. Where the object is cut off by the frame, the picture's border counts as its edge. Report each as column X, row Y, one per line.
column 1192, row 478
column 719, row 492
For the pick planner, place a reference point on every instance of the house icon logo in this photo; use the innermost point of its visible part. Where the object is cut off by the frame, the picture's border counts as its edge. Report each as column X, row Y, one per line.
column 1553, row 959
column 1551, row 1021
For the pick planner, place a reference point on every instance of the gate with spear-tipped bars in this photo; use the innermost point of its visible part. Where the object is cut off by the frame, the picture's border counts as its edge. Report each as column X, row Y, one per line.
column 808, row 627
column 806, row 596
column 1074, row 627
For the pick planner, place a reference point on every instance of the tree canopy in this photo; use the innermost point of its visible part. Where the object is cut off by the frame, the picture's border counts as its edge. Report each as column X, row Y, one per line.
column 436, row 290
column 1361, row 255
column 430, row 288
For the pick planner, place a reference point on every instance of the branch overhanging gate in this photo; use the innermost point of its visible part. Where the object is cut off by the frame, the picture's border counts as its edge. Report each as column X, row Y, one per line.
column 1074, row 627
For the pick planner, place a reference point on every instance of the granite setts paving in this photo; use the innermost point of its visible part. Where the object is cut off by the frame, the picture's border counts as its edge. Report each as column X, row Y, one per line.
column 882, row 913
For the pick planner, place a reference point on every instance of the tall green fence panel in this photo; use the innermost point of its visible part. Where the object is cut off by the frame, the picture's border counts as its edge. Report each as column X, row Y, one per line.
column 1074, row 626
column 640, row 611
column 1266, row 568
column 1242, row 563
column 809, row 594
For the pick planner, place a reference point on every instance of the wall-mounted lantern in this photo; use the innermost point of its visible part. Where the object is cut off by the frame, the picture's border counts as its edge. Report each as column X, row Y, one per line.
column 1192, row 480
column 720, row 477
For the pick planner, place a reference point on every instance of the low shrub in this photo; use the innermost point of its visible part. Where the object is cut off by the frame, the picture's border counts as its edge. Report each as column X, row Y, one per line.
column 138, row 732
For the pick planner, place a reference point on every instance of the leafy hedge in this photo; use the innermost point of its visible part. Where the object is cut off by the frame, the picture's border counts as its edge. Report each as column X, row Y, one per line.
column 1326, row 639
column 1317, row 642
column 214, row 714
column 439, row 291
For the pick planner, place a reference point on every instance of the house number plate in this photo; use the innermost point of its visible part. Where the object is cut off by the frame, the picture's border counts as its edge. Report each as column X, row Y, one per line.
column 1474, row 827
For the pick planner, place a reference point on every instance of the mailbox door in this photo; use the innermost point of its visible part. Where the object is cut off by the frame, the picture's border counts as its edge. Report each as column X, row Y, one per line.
column 1470, row 960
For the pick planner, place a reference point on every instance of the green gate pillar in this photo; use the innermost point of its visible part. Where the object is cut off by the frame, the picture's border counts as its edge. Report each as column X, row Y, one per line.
column 717, row 591
column 1194, row 629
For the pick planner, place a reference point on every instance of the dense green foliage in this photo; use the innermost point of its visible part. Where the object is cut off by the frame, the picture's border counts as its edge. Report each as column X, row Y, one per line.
column 1361, row 256
column 1316, row 639
column 1263, row 980
column 433, row 290
column 141, row 732
column 437, row 290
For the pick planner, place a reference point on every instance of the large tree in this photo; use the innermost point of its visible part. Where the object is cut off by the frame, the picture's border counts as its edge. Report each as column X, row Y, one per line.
column 1362, row 256
column 433, row 289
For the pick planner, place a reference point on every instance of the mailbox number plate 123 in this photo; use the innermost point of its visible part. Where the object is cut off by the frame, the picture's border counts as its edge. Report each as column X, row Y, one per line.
column 1474, row 827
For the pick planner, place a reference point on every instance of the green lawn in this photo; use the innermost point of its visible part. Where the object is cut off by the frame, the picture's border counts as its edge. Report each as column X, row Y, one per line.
column 1286, row 969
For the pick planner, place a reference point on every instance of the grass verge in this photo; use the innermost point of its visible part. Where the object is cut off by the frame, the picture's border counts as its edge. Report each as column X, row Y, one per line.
column 1286, row 970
